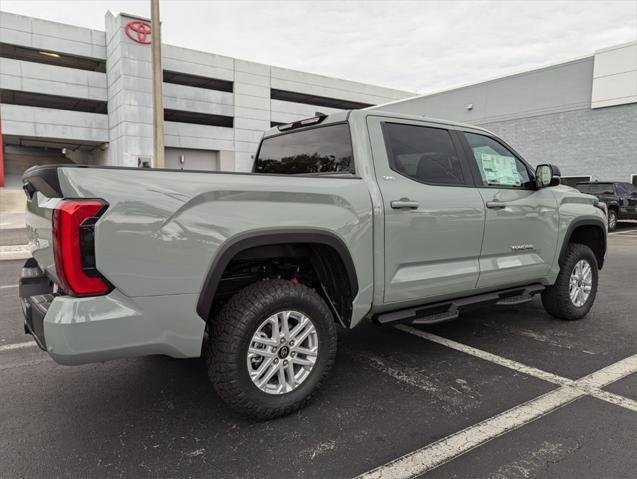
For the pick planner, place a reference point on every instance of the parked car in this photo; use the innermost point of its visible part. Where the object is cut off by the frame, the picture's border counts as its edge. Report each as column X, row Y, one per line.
column 620, row 198
column 360, row 214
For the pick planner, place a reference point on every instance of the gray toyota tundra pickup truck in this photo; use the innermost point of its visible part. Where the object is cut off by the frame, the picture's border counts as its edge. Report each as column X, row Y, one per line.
column 361, row 214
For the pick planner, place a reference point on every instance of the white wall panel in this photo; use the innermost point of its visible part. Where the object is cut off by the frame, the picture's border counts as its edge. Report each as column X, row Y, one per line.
column 51, row 123
column 51, row 36
column 615, row 76
column 52, row 80
column 199, row 100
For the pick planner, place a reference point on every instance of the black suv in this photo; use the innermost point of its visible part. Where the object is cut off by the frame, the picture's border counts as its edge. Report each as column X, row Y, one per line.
column 621, row 199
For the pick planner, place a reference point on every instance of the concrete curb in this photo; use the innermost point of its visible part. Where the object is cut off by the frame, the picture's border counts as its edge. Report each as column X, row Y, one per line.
column 17, row 251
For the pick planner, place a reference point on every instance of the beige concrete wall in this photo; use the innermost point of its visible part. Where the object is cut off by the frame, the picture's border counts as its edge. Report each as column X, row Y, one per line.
column 11, row 200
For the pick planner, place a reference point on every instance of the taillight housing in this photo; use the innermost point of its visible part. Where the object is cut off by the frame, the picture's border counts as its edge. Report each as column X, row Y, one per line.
column 74, row 246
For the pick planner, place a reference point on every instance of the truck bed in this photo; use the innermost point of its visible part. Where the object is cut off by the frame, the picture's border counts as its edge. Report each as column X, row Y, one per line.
column 162, row 228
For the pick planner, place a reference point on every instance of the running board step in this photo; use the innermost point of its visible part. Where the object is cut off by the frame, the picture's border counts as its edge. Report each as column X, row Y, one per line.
column 515, row 300
column 449, row 310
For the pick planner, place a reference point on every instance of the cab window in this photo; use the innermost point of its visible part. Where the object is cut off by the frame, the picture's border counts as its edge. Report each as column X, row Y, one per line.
column 498, row 166
column 322, row 150
column 626, row 189
column 596, row 188
column 424, row 154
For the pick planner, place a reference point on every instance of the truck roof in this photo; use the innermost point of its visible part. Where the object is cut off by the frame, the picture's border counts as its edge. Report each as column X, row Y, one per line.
column 597, row 182
column 345, row 114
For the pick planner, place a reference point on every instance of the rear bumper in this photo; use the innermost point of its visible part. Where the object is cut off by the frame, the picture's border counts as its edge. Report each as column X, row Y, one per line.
column 100, row 328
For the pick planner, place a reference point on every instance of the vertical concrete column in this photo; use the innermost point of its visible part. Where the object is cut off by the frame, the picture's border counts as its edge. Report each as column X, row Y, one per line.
column 129, row 78
column 251, row 110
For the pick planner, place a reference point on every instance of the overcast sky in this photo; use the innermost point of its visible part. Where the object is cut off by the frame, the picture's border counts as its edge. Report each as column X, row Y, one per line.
column 421, row 46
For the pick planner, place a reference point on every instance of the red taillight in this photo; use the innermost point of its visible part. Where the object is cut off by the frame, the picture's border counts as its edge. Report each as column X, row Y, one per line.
column 74, row 248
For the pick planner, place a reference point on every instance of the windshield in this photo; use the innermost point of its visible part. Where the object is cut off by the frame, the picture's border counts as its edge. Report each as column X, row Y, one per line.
column 326, row 149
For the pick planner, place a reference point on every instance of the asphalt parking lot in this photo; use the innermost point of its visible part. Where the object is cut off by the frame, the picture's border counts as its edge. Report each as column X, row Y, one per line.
column 500, row 393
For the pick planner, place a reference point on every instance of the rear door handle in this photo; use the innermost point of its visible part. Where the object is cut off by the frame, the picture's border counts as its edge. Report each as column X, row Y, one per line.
column 404, row 203
column 496, row 204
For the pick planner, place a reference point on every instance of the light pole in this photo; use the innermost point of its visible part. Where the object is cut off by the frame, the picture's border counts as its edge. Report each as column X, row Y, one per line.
column 158, row 98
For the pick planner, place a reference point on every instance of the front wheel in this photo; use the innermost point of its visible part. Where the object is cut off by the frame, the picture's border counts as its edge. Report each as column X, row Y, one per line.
column 270, row 348
column 612, row 220
column 573, row 294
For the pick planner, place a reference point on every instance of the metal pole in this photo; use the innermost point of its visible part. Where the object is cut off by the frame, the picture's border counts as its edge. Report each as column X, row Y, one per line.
column 1, row 155
column 158, row 98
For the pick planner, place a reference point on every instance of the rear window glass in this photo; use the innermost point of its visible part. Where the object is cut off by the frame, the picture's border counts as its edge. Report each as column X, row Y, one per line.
column 596, row 189
column 327, row 149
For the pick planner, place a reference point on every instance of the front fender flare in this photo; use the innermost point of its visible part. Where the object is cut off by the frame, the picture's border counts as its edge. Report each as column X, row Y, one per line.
column 584, row 222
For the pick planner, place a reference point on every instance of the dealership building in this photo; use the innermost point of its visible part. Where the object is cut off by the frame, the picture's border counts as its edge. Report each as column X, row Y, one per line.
column 580, row 115
column 75, row 95
column 71, row 94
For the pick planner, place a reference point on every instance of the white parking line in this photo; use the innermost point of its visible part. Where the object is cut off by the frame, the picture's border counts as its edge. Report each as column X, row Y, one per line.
column 610, row 374
column 615, row 399
column 7, row 286
column 507, row 363
column 11, row 347
column 626, row 232
column 435, row 454
column 590, row 385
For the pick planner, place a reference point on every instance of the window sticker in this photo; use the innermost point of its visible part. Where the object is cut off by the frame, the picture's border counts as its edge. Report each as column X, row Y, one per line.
column 499, row 170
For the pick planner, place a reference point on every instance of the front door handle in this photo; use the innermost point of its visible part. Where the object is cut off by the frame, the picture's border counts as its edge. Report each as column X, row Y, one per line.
column 404, row 203
column 496, row 204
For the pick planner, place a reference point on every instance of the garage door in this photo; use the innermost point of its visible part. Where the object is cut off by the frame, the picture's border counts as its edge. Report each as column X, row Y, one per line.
column 188, row 159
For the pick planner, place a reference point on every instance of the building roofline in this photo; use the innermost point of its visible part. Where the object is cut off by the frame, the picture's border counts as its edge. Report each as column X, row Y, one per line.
column 510, row 75
column 616, row 47
column 129, row 15
column 220, row 55
column 51, row 21
column 492, row 80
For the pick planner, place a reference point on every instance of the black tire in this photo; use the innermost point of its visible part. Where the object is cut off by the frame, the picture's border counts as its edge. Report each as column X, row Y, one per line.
column 556, row 298
column 232, row 332
column 612, row 220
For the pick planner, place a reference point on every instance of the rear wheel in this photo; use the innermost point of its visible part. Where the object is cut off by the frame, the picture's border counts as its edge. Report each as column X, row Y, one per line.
column 270, row 348
column 573, row 294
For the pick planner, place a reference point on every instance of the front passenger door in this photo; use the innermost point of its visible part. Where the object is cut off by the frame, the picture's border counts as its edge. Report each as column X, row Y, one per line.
column 521, row 225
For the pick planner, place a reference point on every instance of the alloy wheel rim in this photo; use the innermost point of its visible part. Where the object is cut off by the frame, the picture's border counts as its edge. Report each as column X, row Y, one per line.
column 580, row 283
column 612, row 221
column 282, row 352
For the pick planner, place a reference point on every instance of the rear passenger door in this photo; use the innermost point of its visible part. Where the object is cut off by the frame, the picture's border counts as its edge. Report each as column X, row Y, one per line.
column 521, row 225
column 434, row 217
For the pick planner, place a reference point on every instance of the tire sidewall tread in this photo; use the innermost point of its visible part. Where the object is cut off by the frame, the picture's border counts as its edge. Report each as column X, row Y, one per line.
column 556, row 298
column 232, row 331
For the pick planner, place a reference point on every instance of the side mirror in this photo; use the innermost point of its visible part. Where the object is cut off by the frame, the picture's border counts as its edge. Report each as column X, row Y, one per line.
column 547, row 175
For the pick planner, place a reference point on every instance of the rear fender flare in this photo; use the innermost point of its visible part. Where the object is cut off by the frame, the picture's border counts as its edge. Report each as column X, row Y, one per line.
column 235, row 245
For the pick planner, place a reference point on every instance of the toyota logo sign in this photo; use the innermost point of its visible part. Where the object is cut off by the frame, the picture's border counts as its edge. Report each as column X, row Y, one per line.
column 138, row 31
